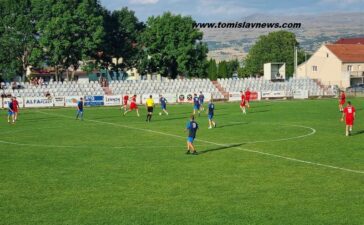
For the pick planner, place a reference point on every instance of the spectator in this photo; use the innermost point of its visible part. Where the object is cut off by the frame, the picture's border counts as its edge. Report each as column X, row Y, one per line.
column 14, row 85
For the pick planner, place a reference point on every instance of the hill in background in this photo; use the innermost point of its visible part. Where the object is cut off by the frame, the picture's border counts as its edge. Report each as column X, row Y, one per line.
column 315, row 30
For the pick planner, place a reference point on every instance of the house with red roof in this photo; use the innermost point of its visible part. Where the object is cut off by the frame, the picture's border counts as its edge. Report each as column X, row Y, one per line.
column 341, row 63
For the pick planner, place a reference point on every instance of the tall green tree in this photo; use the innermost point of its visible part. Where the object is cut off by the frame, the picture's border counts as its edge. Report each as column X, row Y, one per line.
column 222, row 70
column 127, row 30
column 197, row 64
column 172, row 46
column 275, row 47
column 70, row 31
column 212, row 69
column 18, row 42
column 232, row 67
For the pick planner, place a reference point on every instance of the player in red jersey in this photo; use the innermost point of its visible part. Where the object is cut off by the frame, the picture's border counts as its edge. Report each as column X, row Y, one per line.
column 125, row 102
column 247, row 97
column 349, row 114
column 342, row 100
column 15, row 108
column 243, row 102
column 133, row 106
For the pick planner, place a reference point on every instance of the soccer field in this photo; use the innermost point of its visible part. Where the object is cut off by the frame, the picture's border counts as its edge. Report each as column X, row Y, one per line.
column 285, row 162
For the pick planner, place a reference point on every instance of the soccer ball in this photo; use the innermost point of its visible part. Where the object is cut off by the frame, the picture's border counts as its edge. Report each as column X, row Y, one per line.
column 160, row 113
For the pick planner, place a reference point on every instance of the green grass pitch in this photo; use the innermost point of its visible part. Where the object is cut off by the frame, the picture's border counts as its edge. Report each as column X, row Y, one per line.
column 285, row 162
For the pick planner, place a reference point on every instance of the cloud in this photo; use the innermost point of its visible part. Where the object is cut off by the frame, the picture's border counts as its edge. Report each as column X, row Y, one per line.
column 143, row 2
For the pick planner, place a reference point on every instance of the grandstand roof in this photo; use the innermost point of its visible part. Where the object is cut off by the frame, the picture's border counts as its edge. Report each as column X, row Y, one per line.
column 359, row 41
column 350, row 53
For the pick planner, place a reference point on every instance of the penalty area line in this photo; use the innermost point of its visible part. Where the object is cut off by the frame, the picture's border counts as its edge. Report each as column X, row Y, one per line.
column 221, row 145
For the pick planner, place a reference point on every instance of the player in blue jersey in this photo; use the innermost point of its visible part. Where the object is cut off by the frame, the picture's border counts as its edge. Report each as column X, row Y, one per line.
column 11, row 111
column 196, row 104
column 80, row 109
column 211, row 114
column 201, row 97
column 191, row 127
column 163, row 102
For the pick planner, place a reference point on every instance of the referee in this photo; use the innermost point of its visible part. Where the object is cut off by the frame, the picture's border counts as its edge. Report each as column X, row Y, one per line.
column 150, row 107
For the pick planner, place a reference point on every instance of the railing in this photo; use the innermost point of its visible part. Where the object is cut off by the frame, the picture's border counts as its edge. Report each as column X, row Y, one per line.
column 356, row 74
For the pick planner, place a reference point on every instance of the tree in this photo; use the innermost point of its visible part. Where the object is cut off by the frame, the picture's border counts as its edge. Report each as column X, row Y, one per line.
column 197, row 64
column 172, row 47
column 18, row 43
column 212, row 69
column 222, row 70
column 127, row 30
column 232, row 67
column 70, row 31
column 274, row 47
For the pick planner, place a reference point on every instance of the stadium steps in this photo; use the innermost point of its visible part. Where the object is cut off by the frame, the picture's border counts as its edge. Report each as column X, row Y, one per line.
column 221, row 89
column 107, row 90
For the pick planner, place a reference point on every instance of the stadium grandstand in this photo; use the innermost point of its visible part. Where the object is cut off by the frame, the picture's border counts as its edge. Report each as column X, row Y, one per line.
column 219, row 89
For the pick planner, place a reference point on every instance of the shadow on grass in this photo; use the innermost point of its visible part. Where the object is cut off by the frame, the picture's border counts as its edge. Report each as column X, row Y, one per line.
column 261, row 106
column 260, row 111
column 50, row 118
column 231, row 125
column 358, row 132
column 219, row 148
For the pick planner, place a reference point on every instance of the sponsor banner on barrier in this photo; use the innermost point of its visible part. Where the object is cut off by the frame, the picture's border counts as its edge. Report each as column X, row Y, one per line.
column 138, row 99
column 236, row 96
column 58, row 101
column 273, row 94
column 171, row 98
column 30, row 102
column 188, row 97
column 155, row 98
column 300, row 94
column 185, row 97
column 254, row 96
column 5, row 102
column 91, row 100
column 71, row 101
column 110, row 100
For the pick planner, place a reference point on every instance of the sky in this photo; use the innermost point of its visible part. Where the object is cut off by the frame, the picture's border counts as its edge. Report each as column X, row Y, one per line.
column 221, row 10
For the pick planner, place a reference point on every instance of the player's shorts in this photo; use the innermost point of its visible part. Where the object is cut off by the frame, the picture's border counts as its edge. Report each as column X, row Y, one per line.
column 196, row 107
column 210, row 116
column 201, row 102
column 80, row 111
column 242, row 104
column 349, row 121
column 125, row 102
column 10, row 113
column 150, row 109
column 15, row 110
column 190, row 139
column 163, row 107
column 133, row 106
column 342, row 102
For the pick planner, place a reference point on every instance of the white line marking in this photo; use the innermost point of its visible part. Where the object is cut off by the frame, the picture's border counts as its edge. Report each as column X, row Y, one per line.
column 222, row 145
column 83, row 146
